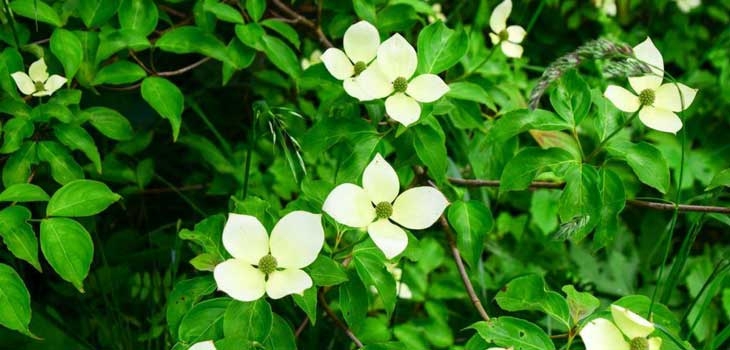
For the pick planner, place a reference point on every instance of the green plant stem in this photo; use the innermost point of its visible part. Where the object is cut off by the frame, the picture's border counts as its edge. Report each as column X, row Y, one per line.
column 720, row 269
column 12, row 23
column 721, row 338
column 611, row 135
column 671, row 336
column 535, row 15
column 196, row 108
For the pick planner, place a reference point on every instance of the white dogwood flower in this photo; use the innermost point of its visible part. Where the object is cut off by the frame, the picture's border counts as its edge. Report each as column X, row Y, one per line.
column 687, row 5
column 37, row 82
column 361, row 43
column 631, row 334
column 390, row 76
column 508, row 38
column 377, row 202
column 271, row 265
column 656, row 102
column 203, row 345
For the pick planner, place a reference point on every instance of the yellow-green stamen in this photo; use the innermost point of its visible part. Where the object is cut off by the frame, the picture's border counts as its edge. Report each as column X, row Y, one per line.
column 267, row 264
column 383, row 210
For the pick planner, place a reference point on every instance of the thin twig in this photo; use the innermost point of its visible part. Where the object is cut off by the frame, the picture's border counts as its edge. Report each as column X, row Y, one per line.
column 338, row 322
column 462, row 269
column 635, row 202
column 304, row 21
column 183, row 69
column 301, row 327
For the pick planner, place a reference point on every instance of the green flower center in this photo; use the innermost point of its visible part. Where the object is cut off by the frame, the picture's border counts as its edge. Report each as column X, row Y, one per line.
column 400, row 84
column 267, row 264
column 383, row 210
column 646, row 97
column 39, row 86
column 639, row 344
column 360, row 67
column 503, row 35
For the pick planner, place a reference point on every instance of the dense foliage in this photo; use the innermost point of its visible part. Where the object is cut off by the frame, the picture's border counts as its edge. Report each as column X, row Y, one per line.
column 378, row 174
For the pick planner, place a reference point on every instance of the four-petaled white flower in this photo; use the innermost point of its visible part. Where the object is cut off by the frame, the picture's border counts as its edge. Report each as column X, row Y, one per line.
column 508, row 38
column 602, row 334
column 361, row 43
column 37, row 82
column 271, row 265
column 374, row 205
column 390, row 76
column 203, row 345
column 655, row 102
column 687, row 5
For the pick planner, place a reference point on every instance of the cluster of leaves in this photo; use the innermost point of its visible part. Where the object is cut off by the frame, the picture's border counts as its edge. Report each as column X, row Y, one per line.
column 192, row 109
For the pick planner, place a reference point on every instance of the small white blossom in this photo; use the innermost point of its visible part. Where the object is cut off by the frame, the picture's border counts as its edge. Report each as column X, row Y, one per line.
column 37, row 82
column 607, row 6
column 203, row 345
column 377, row 202
column 509, row 38
column 602, row 334
column 270, row 265
column 437, row 14
column 404, row 292
column 656, row 102
column 361, row 43
column 314, row 58
column 391, row 76
column 688, row 5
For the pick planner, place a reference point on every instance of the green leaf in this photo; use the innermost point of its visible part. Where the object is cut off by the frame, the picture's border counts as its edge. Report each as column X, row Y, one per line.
column 14, row 301
column 255, row 9
column 166, row 99
column 284, row 29
column 76, row 138
column 281, row 55
column 17, row 167
column 647, row 162
column 251, row 34
column 472, row 221
column 581, row 304
column 44, row 112
column 138, row 15
column 371, row 269
column 439, row 48
column 720, row 179
column 191, row 39
column 81, row 198
column 23, row 193
column 613, row 200
column 514, row 332
column 365, row 9
column 15, row 131
column 182, row 298
column 68, row 248
column 430, row 145
column 64, row 167
column 521, row 120
column 119, row 72
column 530, row 162
column 470, row 92
column 354, row 300
column 207, row 234
column 37, row 11
column 223, row 12
column 282, row 336
column 530, row 293
column 95, row 13
column 204, row 321
column 16, row 108
column 110, row 123
column 580, row 202
column 18, row 234
column 209, row 152
column 66, row 46
column 308, row 303
column 572, row 97
column 251, row 321
column 326, row 272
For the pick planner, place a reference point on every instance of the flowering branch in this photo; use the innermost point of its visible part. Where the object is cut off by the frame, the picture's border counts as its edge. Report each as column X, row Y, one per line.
column 635, row 202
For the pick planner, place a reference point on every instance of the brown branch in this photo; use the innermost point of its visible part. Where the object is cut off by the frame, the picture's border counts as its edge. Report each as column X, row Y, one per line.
column 183, row 69
column 301, row 327
column 338, row 322
column 462, row 269
column 304, row 21
column 635, row 202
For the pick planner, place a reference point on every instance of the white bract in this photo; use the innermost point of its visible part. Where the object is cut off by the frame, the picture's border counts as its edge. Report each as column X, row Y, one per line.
column 607, row 6
column 271, row 265
column 687, row 5
column 509, row 38
column 377, row 202
column 656, row 102
column 37, row 82
column 404, row 292
column 314, row 58
column 631, row 334
column 203, row 345
column 361, row 43
column 390, row 76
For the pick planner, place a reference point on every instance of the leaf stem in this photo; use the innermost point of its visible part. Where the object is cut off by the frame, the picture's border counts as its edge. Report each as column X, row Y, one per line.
column 611, row 135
